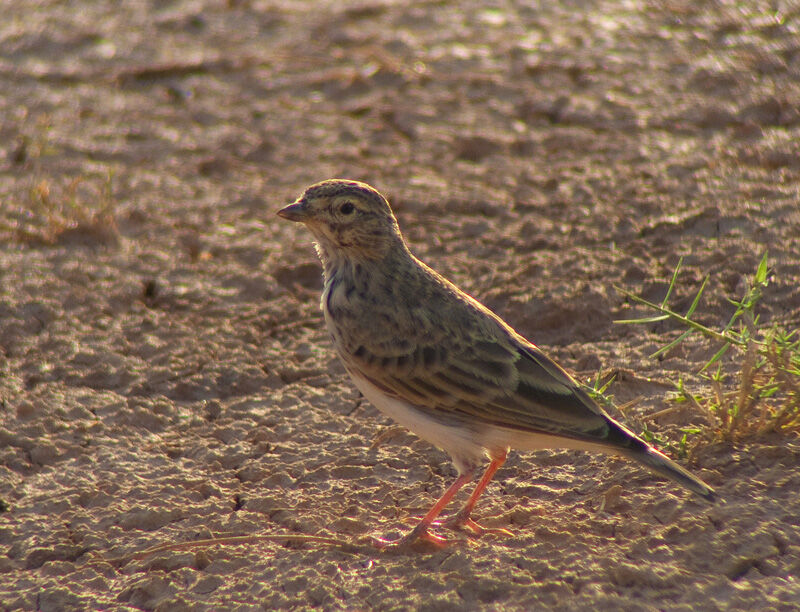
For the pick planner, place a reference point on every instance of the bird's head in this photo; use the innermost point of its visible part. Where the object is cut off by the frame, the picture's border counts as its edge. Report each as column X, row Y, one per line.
column 348, row 218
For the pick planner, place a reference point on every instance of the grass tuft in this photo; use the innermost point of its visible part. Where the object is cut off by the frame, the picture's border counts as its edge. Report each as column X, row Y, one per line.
column 763, row 394
column 77, row 212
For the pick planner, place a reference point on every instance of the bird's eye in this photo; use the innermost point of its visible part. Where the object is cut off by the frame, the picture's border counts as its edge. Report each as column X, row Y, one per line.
column 347, row 208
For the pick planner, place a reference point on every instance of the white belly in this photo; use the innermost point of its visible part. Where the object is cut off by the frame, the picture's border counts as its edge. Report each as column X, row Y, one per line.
column 460, row 442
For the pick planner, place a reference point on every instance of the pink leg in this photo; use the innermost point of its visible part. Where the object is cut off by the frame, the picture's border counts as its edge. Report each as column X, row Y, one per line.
column 421, row 530
column 462, row 519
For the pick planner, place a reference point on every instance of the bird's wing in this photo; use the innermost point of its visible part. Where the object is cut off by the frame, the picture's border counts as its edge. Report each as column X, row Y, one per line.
column 471, row 363
column 525, row 391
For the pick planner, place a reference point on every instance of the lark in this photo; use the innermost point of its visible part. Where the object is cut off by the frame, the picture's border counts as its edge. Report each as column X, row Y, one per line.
column 442, row 364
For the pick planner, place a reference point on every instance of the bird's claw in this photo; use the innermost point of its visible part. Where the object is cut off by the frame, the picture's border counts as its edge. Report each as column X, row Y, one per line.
column 418, row 538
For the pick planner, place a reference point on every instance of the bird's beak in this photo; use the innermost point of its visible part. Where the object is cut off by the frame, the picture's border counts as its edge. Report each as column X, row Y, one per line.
column 298, row 211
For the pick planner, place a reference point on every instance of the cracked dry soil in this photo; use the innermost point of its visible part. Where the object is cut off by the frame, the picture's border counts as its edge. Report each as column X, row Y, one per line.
column 164, row 370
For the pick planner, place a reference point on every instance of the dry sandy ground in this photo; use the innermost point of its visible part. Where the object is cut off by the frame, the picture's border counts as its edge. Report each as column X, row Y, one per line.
column 164, row 371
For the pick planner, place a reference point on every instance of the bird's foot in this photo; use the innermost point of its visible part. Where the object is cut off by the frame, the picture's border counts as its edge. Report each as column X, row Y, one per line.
column 419, row 538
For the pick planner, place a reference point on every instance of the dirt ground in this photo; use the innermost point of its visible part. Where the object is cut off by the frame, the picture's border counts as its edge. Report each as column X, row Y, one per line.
column 165, row 375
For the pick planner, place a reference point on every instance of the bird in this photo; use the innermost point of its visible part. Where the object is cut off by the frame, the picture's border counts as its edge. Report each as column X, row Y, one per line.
column 443, row 365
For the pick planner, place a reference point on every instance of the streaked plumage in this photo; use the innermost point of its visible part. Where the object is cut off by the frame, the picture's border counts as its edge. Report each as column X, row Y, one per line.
column 439, row 362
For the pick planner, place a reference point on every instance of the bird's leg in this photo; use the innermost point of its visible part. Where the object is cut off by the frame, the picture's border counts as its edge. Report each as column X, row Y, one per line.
column 420, row 532
column 462, row 519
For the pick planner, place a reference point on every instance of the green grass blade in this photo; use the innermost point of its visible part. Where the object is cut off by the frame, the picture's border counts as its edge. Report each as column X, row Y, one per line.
column 605, row 387
column 761, row 273
column 734, row 316
column 717, row 356
column 672, row 344
column 697, row 298
column 672, row 282
column 654, row 319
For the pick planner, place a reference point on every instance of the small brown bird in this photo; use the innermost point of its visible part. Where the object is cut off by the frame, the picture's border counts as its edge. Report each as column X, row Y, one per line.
column 442, row 364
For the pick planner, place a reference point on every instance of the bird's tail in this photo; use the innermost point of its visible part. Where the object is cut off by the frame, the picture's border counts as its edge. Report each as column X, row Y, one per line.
column 663, row 465
column 630, row 445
